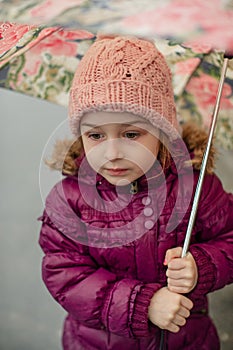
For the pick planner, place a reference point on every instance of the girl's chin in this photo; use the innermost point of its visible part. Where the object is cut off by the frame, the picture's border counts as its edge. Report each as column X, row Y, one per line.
column 117, row 181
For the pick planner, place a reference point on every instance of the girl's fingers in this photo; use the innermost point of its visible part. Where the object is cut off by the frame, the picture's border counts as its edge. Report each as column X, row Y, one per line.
column 184, row 312
column 177, row 264
column 185, row 283
column 173, row 328
column 186, row 303
column 179, row 290
column 176, row 275
column 179, row 320
column 171, row 254
column 175, row 325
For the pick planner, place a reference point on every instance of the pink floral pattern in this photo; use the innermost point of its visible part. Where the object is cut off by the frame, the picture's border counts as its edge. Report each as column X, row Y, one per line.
column 204, row 89
column 205, row 22
column 16, row 39
column 187, row 66
column 61, row 43
column 46, row 70
column 40, row 60
column 10, row 34
column 48, row 9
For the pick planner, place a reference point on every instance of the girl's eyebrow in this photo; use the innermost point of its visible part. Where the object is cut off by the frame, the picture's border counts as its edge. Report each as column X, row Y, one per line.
column 144, row 122
column 90, row 125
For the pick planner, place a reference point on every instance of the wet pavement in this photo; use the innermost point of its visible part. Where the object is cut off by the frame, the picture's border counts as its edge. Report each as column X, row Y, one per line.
column 30, row 319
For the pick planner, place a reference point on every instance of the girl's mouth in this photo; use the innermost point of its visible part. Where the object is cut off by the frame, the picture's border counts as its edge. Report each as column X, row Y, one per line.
column 116, row 172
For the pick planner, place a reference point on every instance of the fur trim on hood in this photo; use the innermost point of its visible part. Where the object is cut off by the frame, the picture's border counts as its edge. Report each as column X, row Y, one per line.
column 67, row 151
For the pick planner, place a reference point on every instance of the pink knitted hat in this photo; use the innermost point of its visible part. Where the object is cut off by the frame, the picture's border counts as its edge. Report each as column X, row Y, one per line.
column 124, row 74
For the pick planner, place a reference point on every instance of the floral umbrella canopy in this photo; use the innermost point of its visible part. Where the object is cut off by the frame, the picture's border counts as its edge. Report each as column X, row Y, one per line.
column 40, row 60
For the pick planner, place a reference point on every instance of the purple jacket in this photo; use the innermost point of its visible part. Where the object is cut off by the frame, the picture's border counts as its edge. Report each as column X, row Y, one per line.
column 104, row 265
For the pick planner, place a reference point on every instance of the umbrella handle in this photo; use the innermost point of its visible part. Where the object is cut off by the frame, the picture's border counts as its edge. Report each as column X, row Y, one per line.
column 204, row 162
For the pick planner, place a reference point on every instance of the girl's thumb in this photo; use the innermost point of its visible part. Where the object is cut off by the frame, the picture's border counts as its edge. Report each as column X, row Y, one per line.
column 171, row 254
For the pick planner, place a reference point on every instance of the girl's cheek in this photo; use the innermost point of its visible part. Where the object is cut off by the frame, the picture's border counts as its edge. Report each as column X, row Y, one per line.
column 142, row 157
column 95, row 157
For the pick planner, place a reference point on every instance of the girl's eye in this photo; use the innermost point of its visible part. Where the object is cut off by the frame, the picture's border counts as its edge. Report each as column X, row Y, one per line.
column 95, row 136
column 132, row 134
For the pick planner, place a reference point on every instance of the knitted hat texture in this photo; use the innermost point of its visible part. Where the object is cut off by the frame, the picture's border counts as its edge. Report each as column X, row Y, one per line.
column 124, row 74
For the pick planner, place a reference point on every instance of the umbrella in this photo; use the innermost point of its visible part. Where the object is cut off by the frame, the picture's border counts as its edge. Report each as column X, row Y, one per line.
column 203, row 21
column 40, row 60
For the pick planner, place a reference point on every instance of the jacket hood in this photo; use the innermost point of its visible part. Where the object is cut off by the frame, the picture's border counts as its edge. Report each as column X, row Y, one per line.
column 68, row 154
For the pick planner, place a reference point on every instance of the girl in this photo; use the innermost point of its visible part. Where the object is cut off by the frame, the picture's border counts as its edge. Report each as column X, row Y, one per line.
column 113, row 227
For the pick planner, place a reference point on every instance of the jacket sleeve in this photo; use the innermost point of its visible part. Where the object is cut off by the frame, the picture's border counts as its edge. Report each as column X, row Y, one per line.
column 213, row 251
column 90, row 293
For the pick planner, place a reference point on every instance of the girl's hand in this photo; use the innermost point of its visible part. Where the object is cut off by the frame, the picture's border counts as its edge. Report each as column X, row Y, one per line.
column 169, row 310
column 181, row 273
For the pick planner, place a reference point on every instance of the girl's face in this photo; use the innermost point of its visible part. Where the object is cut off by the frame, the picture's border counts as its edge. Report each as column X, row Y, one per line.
column 122, row 150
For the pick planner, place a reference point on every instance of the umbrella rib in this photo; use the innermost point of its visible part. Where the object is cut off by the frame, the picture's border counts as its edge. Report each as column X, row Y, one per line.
column 204, row 162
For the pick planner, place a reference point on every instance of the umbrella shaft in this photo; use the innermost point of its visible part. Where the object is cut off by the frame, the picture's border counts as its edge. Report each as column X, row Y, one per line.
column 204, row 162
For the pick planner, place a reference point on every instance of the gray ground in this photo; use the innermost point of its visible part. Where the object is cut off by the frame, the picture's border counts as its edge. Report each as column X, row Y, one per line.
column 30, row 319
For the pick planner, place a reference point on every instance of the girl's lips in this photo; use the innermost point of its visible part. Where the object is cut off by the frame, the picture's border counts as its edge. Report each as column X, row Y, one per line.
column 116, row 171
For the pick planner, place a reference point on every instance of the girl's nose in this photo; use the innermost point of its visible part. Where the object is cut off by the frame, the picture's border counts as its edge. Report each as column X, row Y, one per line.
column 113, row 149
